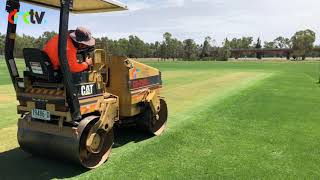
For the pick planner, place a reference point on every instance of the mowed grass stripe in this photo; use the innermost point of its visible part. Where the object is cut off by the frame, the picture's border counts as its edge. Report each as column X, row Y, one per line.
column 4, row 75
column 182, row 77
column 8, row 106
column 189, row 95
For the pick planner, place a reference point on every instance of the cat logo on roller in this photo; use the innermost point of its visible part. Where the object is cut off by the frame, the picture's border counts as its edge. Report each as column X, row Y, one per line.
column 86, row 90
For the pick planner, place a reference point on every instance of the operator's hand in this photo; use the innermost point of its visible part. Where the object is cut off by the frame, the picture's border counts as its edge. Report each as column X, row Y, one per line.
column 89, row 61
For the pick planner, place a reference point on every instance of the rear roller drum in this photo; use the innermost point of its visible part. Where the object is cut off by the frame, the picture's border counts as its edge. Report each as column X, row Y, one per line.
column 155, row 124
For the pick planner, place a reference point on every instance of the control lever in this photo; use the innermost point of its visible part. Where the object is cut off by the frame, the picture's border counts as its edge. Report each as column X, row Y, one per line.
column 86, row 52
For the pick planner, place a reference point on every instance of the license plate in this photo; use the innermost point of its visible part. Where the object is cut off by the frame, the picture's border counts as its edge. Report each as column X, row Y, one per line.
column 41, row 114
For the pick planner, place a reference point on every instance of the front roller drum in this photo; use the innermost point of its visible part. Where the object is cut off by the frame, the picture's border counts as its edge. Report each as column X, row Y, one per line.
column 67, row 143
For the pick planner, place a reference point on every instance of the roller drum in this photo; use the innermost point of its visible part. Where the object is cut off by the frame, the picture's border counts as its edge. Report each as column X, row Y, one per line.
column 66, row 143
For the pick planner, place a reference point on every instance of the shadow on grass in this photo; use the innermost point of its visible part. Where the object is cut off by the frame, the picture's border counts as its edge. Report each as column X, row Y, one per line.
column 16, row 164
column 124, row 136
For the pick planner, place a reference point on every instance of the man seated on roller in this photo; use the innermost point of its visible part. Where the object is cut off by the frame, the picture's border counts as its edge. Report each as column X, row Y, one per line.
column 77, row 40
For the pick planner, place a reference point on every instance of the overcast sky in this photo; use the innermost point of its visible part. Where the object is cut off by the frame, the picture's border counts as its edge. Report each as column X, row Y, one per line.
column 196, row 19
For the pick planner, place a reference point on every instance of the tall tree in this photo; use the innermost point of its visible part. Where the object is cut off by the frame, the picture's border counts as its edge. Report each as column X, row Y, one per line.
column 157, row 49
column 136, row 47
column 258, row 46
column 206, row 48
column 169, row 45
column 224, row 53
column 242, row 43
column 177, row 49
column 123, row 47
column 190, row 49
column 303, row 42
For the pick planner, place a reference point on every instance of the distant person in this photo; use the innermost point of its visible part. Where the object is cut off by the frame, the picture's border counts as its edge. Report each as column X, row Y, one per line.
column 79, row 39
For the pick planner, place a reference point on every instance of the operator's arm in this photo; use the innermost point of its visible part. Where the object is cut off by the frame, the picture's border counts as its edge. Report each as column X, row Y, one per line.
column 73, row 62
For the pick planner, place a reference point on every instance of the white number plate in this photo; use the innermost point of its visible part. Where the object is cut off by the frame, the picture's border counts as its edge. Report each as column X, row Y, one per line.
column 41, row 114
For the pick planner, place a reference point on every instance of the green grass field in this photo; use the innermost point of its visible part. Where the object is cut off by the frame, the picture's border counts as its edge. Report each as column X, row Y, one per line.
column 231, row 120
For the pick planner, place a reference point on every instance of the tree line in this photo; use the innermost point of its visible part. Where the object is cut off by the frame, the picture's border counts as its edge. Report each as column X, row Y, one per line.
column 302, row 42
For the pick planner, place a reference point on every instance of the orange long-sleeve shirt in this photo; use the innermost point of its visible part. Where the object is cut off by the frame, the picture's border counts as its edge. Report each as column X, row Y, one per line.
column 51, row 48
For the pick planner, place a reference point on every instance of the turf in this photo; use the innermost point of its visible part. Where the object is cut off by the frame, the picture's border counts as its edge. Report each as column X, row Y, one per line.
column 7, row 95
column 239, row 120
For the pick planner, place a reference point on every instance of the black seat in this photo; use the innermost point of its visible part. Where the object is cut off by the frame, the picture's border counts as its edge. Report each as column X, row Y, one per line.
column 39, row 65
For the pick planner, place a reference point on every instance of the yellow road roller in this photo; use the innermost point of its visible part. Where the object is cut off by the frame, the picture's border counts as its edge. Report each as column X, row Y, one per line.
column 71, row 116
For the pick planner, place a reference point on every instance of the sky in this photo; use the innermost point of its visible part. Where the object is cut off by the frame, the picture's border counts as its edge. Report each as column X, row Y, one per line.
column 150, row 19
